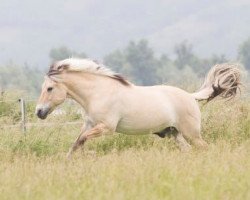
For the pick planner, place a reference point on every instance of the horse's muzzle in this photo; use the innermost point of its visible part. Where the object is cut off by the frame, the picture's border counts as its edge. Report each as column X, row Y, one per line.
column 42, row 114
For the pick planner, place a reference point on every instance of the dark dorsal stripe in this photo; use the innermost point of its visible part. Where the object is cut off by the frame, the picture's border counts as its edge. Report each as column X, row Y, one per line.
column 121, row 79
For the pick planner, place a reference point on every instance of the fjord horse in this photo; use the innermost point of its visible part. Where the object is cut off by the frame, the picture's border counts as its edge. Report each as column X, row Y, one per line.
column 113, row 104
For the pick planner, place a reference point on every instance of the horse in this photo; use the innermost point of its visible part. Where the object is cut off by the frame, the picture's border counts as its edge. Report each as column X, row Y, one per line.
column 113, row 104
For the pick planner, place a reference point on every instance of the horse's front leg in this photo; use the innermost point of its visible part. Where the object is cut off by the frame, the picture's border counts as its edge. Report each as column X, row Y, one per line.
column 85, row 127
column 96, row 131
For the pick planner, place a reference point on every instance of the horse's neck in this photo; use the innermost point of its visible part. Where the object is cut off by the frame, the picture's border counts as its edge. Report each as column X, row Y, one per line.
column 84, row 88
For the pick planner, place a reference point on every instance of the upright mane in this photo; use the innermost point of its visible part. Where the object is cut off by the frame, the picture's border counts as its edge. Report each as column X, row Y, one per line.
column 85, row 65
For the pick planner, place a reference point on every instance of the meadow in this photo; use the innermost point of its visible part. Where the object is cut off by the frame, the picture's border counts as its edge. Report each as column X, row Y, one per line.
column 34, row 165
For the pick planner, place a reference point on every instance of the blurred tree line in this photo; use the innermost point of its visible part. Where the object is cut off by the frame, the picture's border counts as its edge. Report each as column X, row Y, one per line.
column 137, row 61
column 26, row 78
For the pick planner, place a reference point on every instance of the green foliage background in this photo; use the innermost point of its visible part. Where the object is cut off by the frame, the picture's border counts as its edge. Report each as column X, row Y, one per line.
column 137, row 61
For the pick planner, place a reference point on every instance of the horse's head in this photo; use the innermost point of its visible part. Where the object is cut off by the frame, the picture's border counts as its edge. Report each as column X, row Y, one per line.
column 53, row 94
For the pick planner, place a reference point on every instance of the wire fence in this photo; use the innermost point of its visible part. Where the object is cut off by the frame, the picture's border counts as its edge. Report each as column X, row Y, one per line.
column 20, row 114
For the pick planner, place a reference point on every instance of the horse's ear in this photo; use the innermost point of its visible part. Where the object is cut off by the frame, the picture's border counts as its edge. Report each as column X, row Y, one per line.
column 62, row 67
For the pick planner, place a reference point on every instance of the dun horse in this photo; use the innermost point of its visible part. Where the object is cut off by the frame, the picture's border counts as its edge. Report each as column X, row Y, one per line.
column 113, row 104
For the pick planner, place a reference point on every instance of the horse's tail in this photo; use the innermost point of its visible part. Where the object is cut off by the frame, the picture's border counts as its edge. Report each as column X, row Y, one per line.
column 222, row 80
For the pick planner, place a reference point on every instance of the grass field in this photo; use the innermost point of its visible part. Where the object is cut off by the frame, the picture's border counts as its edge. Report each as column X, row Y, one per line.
column 130, row 167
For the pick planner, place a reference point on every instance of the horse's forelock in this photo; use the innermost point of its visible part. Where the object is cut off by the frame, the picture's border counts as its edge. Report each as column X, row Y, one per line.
column 51, row 70
column 57, row 69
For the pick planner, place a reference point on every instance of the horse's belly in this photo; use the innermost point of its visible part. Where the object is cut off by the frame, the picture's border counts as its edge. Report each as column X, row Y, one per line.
column 145, row 124
column 141, row 130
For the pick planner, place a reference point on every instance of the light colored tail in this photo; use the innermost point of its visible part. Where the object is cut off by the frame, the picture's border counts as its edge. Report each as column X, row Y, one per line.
column 222, row 80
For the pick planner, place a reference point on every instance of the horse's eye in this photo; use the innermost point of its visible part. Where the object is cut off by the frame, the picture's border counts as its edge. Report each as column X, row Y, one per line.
column 50, row 89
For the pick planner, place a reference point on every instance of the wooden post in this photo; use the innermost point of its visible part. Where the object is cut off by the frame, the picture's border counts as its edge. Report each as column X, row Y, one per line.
column 23, row 113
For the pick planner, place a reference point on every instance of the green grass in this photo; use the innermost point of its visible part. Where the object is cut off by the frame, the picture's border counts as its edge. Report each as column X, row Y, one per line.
column 33, row 166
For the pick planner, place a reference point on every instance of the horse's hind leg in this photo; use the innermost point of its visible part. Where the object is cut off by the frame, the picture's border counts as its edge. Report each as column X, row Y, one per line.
column 191, row 131
column 181, row 141
column 199, row 142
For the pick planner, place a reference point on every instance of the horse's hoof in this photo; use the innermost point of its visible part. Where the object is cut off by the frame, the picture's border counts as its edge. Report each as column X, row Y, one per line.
column 69, row 156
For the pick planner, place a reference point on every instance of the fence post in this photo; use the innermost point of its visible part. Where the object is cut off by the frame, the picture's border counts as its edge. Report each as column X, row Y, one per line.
column 23, row 113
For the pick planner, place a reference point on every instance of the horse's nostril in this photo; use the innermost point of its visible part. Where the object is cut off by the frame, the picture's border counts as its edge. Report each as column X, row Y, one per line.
column 39, row 112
